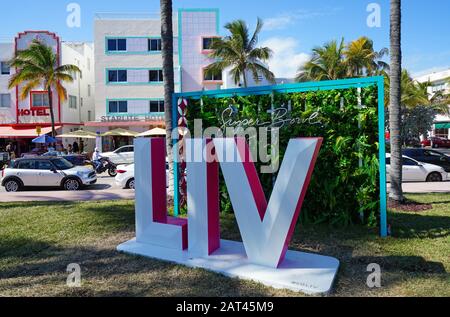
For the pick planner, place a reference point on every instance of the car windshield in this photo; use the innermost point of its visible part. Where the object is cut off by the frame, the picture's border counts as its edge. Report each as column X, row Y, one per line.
column 62, row 164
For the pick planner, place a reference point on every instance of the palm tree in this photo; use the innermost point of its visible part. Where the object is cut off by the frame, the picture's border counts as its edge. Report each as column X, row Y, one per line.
column 326, row 63
column 168, row 75
column 239, row 51
column 361, row 59
column 37, row 66
column 395, row 95
column 337, row 61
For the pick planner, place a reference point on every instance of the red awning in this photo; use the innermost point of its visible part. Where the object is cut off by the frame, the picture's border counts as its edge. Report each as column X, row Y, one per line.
column 10, row 132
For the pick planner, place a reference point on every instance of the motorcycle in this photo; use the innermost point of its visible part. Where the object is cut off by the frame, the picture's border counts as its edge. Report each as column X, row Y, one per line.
column 105, row 165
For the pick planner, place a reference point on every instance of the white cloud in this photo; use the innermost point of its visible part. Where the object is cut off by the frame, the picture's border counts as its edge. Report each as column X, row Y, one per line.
column 284, row 20
column 286, row 56
column 278, row 23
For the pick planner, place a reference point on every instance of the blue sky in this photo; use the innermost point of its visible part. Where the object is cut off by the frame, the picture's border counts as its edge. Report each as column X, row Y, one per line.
column 293, row 27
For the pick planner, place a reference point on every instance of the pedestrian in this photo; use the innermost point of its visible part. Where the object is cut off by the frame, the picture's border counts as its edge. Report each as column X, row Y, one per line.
column 81, row 146
column 69, row 149
column 76, row 148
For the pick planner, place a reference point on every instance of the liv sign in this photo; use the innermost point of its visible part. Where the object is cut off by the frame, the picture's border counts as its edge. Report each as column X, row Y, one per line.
column 266, row 226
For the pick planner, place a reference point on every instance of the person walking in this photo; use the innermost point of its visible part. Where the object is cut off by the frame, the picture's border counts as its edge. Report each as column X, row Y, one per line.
column 76, row 148
column 81, row 146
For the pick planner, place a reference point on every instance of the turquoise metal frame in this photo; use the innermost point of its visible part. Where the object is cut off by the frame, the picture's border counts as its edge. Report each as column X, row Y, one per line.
column 302, row 87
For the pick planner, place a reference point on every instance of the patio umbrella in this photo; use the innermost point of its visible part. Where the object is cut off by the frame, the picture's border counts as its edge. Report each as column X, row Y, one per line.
column 152, row 132
column 120, row 132
column 81, row 134
column 44, row 139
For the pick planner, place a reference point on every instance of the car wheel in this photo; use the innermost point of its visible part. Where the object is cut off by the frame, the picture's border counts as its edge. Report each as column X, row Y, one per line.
column 112, row 172
column 434, row 177
column 72, row 184
column 131, row 184
column 12, row 186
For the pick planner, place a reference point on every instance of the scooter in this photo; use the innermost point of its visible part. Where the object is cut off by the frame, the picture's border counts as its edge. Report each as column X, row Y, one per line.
column 105, row 165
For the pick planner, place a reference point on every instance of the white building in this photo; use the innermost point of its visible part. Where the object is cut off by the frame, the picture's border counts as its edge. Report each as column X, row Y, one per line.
column 439, row 82
column 128, row 67
column 20, row 119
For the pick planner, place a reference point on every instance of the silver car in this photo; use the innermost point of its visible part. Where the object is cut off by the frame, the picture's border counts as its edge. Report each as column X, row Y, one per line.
column 46, row 172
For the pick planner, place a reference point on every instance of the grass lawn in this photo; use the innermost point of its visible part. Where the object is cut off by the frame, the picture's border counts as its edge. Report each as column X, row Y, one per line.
column 39, row 240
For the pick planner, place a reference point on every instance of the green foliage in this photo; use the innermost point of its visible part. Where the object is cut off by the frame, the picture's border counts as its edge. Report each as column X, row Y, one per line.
column 344, row 187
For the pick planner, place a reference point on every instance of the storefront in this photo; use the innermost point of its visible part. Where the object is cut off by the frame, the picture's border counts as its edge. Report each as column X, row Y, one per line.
column 20, row 137
column 134, row 124
column 442, row 130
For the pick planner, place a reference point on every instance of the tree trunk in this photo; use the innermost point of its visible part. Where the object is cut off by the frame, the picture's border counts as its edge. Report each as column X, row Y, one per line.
column 168, row 74
column 396, row 192
column 52, row 115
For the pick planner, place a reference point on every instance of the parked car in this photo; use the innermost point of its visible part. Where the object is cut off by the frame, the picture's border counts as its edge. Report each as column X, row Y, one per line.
column 125, row 176
column 436, row 142
column 75, row 159
column 429, row 156
column 414, row 171
column 123, row 155
column 46, row 172
column 34, row 152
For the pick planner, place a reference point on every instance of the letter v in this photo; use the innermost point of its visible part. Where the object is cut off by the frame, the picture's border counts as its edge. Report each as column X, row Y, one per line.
column 267, row 228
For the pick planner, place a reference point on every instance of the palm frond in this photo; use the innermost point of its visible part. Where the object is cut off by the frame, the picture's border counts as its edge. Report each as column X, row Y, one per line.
column 61, row 91
column 254, row 39
column 29, row 86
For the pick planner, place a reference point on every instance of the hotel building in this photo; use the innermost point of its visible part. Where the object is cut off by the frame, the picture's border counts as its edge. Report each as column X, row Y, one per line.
column 128, row 68
column 21, row 119
column 439, row 81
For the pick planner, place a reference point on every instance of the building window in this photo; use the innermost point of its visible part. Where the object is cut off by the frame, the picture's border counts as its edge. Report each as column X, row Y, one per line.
column 118, row 107
column 81, row 102
column 5, row 100
column 207, row 43
column 117, row 45
column 117, row 76
column 89, row 90
column 39, row 100
column 88, row 61
column 5, row 69
column 72, row 102
column 212, row 77
column 156, row 105
column 156, row 76
column 441, row 133
column 89, row 115
column 154, row 45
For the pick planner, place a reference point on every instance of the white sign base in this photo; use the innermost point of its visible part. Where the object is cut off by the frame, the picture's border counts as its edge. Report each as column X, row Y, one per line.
column 299, row 271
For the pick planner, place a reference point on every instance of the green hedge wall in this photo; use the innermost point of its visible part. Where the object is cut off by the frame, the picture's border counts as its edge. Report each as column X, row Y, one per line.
column 344, row 188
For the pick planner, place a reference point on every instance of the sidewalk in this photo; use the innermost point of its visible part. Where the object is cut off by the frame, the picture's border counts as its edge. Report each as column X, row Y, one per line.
column 419, row 188
column 60, row 195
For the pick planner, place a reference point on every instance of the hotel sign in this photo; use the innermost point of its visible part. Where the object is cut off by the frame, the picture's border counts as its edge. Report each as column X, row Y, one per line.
column 34, row 112
column 131, row 118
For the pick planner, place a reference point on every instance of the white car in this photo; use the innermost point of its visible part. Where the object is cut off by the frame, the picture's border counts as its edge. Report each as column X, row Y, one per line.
column 415, row 171
column 125, row 176
column 123, row 155
column 46, row 172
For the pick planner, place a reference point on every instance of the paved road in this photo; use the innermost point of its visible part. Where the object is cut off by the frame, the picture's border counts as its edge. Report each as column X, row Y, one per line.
column 105, row 189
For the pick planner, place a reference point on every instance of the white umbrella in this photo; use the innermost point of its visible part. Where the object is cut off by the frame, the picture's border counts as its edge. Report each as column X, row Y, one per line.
column 152, row 132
